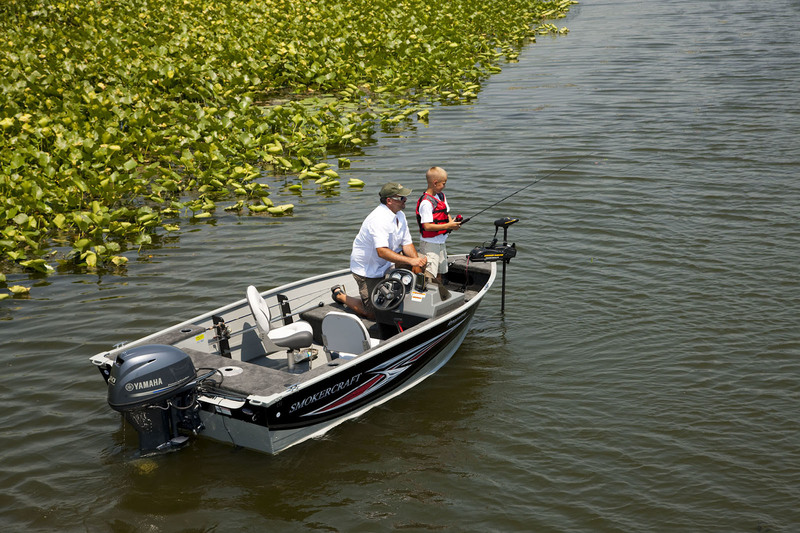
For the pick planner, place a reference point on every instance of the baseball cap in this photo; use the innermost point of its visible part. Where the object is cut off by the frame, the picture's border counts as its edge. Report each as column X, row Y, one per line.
column 394, row 189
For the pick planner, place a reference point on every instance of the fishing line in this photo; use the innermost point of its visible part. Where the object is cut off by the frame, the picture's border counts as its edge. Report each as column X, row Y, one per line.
column 312, row 296
column 534, row 182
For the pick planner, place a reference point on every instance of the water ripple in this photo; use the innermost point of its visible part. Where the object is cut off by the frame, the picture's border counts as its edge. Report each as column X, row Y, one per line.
column 642, row 378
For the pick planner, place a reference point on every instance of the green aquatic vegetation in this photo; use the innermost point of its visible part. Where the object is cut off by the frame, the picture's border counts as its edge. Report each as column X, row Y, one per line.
column 120, row 118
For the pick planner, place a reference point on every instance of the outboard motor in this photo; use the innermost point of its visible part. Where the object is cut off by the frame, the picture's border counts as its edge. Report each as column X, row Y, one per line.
column 154, row 387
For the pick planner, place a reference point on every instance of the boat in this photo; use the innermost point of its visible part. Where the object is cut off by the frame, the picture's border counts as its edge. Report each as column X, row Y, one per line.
column 280, row 366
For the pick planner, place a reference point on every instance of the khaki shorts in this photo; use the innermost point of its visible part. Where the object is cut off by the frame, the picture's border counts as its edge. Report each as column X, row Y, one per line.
column 365, row 288
column 437, row 257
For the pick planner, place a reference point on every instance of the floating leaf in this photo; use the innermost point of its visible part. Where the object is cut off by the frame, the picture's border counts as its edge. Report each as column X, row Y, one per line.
column 19, row 289
column 91, row 259
column 39, row 265
column 281, row 209
column 82, row 244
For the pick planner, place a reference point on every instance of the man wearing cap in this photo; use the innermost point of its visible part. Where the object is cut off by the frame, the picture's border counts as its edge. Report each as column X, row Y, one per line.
column 384, row 238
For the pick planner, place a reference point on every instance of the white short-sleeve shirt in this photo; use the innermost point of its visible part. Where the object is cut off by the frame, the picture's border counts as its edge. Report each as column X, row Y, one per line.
column 381, row 229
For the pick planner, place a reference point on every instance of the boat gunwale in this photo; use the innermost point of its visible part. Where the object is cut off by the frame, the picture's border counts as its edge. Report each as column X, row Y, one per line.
column 107, row 357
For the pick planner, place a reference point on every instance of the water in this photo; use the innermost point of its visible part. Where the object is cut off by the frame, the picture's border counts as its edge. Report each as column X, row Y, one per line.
column 645, row 375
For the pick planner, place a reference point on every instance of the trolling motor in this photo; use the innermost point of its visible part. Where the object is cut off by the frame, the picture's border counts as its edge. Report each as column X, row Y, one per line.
column 505, row 252
column 494, row 252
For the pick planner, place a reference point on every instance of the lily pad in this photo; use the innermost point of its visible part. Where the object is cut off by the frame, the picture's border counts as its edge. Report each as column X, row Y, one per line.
column 116, row 112
column 281, row 209
column 19, row 289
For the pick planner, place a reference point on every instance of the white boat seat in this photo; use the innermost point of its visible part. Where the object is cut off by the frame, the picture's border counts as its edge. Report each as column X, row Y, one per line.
column 291, row 336
column 345, row 336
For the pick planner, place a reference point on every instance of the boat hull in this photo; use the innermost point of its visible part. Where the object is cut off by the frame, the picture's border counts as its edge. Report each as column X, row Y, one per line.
column 312, row 411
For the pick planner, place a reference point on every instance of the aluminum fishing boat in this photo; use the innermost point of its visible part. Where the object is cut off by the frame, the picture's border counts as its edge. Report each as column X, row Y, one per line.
column 287, row 364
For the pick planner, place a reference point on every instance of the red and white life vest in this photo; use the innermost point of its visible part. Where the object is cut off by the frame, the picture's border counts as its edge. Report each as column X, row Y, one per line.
column 440, row 215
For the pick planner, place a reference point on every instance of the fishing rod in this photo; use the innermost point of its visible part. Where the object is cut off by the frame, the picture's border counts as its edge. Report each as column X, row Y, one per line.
column 534, row 182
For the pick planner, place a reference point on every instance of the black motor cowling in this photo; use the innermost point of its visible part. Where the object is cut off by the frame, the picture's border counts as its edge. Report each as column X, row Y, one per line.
column 154, row 387
column 497, row 252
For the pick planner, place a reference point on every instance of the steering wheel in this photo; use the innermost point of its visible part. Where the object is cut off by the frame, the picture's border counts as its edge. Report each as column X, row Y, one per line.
column 388, row 294
column 405, row 276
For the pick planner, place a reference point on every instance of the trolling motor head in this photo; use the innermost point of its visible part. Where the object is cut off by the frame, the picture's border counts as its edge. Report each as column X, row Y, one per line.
column 504, row 222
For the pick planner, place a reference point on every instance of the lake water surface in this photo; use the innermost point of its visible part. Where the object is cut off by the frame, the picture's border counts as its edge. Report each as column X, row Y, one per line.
column 645, row 375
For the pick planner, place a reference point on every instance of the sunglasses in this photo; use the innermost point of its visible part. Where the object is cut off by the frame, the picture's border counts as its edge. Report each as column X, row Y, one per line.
column 399, row 198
